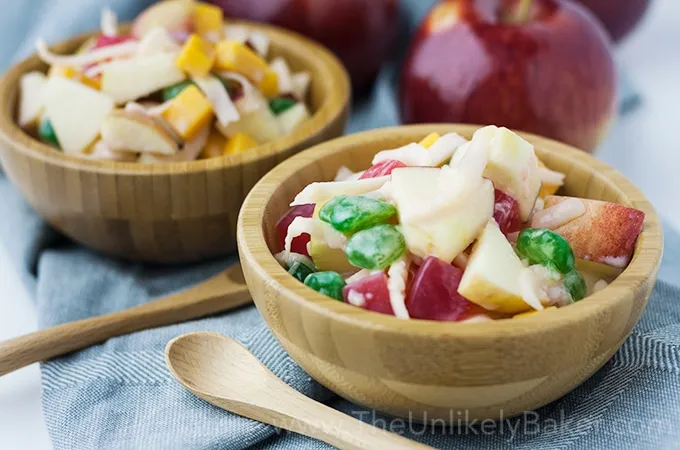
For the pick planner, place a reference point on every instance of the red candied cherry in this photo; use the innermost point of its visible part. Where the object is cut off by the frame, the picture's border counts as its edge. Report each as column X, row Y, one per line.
column 434, row 292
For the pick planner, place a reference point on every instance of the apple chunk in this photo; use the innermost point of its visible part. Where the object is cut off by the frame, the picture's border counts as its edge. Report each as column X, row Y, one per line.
column 130, row 79
column 136, row 132
column 31, row 103
column 491, row 277
column 455, row 226
column 605, row 233
column 173, row 15
column 76, row 112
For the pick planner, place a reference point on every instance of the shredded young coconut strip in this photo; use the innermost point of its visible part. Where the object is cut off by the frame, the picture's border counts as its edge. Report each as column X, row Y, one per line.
column 550, row 177
column 559, row 214
column 124, row 49
column 217, row 95
column 320, row 192
column 317, row 229
column 109, row 23
column 396, row 284
column 282, row 71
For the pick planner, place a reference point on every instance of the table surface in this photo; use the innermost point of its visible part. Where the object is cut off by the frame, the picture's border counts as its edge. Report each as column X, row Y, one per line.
column 641, row 145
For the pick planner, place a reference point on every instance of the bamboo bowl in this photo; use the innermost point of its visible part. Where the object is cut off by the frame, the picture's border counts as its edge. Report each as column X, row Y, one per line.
column 172, row 212
column 420, row 369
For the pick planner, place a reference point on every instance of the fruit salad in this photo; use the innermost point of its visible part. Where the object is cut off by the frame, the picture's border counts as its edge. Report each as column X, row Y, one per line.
column 455, row 230
column 180, row 86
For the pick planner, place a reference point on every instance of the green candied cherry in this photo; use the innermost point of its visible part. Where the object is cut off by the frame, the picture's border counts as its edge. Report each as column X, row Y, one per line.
column 350, row 213
column 47, row 134
column 575, row 285
column 281, row 104
column 376, row 247
column 547, row 248
column 173, row 91
column 326, row 283
column 300, row 266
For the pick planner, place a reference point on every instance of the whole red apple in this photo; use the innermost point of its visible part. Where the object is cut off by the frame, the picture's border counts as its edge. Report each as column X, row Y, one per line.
column 359, row 32
column 619, row 17
column 546, row 69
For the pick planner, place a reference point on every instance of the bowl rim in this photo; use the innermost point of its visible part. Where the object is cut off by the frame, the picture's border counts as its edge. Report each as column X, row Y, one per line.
column 337, row 96
column 253, row 248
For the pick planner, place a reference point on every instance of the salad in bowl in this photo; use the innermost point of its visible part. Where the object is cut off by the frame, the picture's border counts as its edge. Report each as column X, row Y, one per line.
column 180, row 85
column 454, row 230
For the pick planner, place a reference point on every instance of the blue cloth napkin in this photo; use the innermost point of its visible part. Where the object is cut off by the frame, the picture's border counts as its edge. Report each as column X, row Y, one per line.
column 119, row 395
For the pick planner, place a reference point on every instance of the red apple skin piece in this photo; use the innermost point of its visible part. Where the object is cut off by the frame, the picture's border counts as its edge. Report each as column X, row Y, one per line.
column 619, row 17
column 375, row 292
column 553, row 75
column 506, row 212
column 299, row 244
column 434, row 293
column 359, row 32
column 606, row 233
column 382, row 168
column 106, row 41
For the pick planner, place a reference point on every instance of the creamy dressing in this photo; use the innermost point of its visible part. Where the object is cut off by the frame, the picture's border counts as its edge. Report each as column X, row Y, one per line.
column 356, row 298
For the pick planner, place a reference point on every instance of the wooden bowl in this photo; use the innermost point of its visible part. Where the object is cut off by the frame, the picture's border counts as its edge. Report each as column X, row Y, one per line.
column 170, row 212
column 449, row 371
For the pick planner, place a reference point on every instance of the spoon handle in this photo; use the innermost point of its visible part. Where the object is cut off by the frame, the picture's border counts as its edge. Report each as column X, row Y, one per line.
column 322, row 422
column 224, row 291
column 286, row 408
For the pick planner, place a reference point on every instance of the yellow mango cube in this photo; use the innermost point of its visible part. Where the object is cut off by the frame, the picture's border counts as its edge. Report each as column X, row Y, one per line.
column 237, row 57
column 239, row 143
column 197, row 56
column 215, row 145
column 75, row 75
column 270, row 84
column 189, row 112
column 430, row 139
column 208, row 21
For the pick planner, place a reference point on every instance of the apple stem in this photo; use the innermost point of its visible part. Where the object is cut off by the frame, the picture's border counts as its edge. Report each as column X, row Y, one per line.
column 522, row 13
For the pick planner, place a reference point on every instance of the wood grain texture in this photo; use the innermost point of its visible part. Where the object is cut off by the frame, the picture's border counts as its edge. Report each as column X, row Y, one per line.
column 415, row 367
column 172, row 212
column 224, row 291
column 224, row 373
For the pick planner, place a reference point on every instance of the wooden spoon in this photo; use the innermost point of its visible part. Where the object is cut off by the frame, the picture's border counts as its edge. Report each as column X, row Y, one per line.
column 224, row 291
column 223, row 372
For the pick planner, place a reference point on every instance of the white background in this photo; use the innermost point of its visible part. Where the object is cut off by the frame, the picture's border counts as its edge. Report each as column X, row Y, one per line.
column 644, row 146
